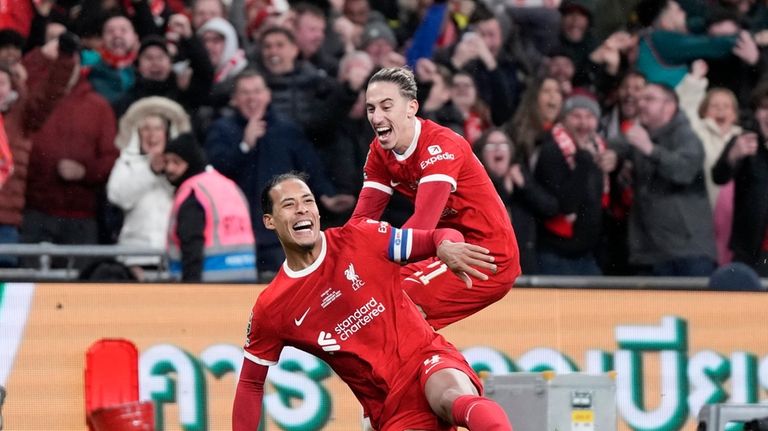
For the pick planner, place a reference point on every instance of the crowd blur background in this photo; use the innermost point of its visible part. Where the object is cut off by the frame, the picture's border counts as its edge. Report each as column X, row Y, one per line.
column 625, row 137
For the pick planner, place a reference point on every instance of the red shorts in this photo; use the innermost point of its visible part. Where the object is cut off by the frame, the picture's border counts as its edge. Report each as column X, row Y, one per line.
column 407, row 407
column 444, row 297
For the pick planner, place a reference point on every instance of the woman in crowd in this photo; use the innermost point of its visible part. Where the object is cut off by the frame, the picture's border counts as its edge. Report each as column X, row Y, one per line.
column 137, row 184
column 538, row 111
column 524, row 198
column 714, row 117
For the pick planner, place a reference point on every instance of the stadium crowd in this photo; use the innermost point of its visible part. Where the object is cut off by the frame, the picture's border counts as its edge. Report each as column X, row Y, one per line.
column 624, row 137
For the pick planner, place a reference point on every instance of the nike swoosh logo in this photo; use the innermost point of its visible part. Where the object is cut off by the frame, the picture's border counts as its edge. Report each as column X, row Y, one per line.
column 300, row 320
column 394, row 183
column 430, row 368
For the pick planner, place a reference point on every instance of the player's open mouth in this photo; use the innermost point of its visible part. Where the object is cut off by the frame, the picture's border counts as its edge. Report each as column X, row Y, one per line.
column 383, row 132
column 303, row 225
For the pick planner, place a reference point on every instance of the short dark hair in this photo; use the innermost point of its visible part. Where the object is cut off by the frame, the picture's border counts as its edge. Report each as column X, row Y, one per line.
column 245, row 74
column 266, row 200
column 113, row 15
column 631, row 72
column 647, row 12
column 278, row 30
column 11, row 38
column 400, row 76
column 721, row 14
column 481, row 13
column 303, row 8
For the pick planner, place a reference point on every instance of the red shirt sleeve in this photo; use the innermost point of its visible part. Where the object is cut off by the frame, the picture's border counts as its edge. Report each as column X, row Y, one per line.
column 246, row 410
column 425, row 242
column 376, row 190
column 431, row 199
column 370, row 204
column 442, row 155
column 375, row 172
column 262, row 341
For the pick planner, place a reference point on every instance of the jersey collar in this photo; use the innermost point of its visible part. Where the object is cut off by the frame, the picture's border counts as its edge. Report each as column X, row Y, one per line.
column 411, row 148
column 311, row 268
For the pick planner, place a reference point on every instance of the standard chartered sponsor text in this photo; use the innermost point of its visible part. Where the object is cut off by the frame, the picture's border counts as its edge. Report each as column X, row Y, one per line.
column 359, row 318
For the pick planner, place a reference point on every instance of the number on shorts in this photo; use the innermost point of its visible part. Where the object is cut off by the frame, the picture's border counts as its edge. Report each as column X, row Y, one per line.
column 433, row 270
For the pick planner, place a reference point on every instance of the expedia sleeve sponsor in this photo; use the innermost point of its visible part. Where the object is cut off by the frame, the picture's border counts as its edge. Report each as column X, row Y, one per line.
column 436, row 158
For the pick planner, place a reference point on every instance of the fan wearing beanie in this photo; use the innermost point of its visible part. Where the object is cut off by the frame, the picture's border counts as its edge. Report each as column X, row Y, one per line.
column 574, row 164
column 581, row 101
column 209, row 236
column 184, row 159
column 665, row 48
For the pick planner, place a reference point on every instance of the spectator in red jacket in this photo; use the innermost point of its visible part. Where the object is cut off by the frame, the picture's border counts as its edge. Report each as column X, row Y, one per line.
column 72, row 155
column 25, row 109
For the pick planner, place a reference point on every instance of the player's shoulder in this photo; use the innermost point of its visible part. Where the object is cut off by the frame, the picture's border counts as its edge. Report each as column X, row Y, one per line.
column 366, row 226
column 272, row 291
column 438, row 139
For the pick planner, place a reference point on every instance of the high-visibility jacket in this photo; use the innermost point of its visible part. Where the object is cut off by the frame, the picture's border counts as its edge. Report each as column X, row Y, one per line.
column 229, row 252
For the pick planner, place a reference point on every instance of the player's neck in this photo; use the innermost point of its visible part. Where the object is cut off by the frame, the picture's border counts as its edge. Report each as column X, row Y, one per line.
column 405, row 141
column 299, row 258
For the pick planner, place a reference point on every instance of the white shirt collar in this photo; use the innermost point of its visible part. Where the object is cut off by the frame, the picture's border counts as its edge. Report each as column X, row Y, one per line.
column 412, row 147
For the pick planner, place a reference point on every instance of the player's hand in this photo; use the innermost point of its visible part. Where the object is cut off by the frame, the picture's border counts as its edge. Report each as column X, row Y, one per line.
column 465, row 260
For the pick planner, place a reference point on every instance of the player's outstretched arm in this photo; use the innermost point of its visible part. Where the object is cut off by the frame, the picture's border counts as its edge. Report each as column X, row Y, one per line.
column 370, row 204
column 431, row 198
column 246, row 410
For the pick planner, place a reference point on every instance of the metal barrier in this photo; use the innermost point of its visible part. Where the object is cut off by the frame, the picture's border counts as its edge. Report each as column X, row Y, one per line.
column 45, row 252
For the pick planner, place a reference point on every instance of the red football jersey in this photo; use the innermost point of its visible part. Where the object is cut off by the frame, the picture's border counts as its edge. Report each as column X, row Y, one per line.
column 349, row 309
column 437, row 153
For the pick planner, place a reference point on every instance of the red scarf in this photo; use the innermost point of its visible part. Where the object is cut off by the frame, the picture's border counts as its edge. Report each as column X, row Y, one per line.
column 6, row 157
column 473, row 127
column 118, row 61
column 625, row 125
column 562, row 224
